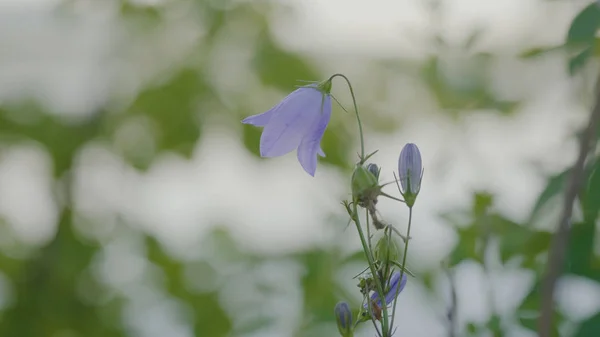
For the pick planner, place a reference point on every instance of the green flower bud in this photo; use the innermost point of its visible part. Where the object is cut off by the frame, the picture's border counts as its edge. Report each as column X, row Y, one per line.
column 363, row 182
column 386, row 250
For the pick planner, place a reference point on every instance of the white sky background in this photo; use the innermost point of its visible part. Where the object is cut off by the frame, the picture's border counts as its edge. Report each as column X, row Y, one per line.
column 265, row 202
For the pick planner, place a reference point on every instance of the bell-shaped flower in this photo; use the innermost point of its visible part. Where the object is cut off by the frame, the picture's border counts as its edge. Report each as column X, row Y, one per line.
column 392, row 290
column 298, row 122
column 410, row 171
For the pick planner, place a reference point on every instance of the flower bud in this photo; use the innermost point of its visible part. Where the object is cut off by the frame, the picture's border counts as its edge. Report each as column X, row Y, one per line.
column 386, row 250
column 343, row 316
column 374, row 169
column 410, row 171
column 362, row 181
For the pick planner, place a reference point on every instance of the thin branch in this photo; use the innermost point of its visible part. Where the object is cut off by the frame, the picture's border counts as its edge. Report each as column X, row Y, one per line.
column 451, row 315
column 560, row 241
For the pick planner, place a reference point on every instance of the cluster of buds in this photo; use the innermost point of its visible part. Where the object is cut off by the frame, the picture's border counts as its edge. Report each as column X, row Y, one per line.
column 365, row 191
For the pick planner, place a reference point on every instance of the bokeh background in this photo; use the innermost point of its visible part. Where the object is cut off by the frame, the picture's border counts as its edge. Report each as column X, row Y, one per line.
column 133, row 202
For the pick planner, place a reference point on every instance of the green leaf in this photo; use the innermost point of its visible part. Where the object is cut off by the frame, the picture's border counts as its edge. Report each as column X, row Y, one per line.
column 495, row 326
column 539, row 51
column 553, row 188
column 583, row 33
column 581, row 250
column 590, row 327
column 280, row 68
column 466, row 248
column 317, row 284
column 584, row 25
column 517, row 240
column 529, row 311
column 591, row 196
column 578, row 61
column 471, row 92
column 173, row 106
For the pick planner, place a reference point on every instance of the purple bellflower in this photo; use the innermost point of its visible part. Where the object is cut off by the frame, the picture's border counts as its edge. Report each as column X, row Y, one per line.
column 391, row 293
column 298, row 122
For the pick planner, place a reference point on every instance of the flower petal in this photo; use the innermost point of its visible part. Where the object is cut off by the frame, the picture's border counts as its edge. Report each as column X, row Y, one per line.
column 321, row 153
column 310, row 145
column 389, row 297
column 393, row 288
column 292, row 119
column 260, row 119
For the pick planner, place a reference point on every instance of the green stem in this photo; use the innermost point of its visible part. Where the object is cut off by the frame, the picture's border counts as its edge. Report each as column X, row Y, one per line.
column 369, row 304
column 360, row 130
column 403, row 266
column 384, row 323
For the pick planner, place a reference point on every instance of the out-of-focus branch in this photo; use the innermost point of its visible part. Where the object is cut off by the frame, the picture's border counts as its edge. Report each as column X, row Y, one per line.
column 560, row 241
column 451, row 314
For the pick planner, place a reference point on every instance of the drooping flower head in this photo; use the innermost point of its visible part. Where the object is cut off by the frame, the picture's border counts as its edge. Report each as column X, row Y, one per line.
column 343, row 316
column 298, row 122
column 393, row 288
column 410, row 170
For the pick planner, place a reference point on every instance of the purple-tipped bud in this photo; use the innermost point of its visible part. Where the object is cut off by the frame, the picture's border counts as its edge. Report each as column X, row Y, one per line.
column 343, row 316
column 374, row 169
column 410, row 170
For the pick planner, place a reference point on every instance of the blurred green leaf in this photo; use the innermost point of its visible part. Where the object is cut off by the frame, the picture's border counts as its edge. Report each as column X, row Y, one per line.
column 518, row 240
column 467, row 246
column 318, row 283
column 173, row 106
column 584, row 26
column 147, row 16
column 473, row 92
column 335, row 144
column 553, row 188
column 529, row 311
column 578, row 61
column 61, row 140
column 590, row 327
column 209, row 317
column 540, row 51
column 46, row 289
column 583, row 32
column 580, row 253
column 591, row 196
column 495, row 326
column 279, row 68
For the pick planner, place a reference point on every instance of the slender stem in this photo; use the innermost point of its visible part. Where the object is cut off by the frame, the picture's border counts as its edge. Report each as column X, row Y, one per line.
column 369, row 233
column 369, row 304
column 560, row 241
column 360, row 129
column 410, row 211
column 384, row 324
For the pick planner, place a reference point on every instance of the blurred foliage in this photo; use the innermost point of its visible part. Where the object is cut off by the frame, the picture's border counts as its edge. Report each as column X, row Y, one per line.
column 55, row 293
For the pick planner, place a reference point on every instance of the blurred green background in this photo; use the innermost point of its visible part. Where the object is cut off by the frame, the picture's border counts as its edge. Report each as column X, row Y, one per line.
column 133, row 201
